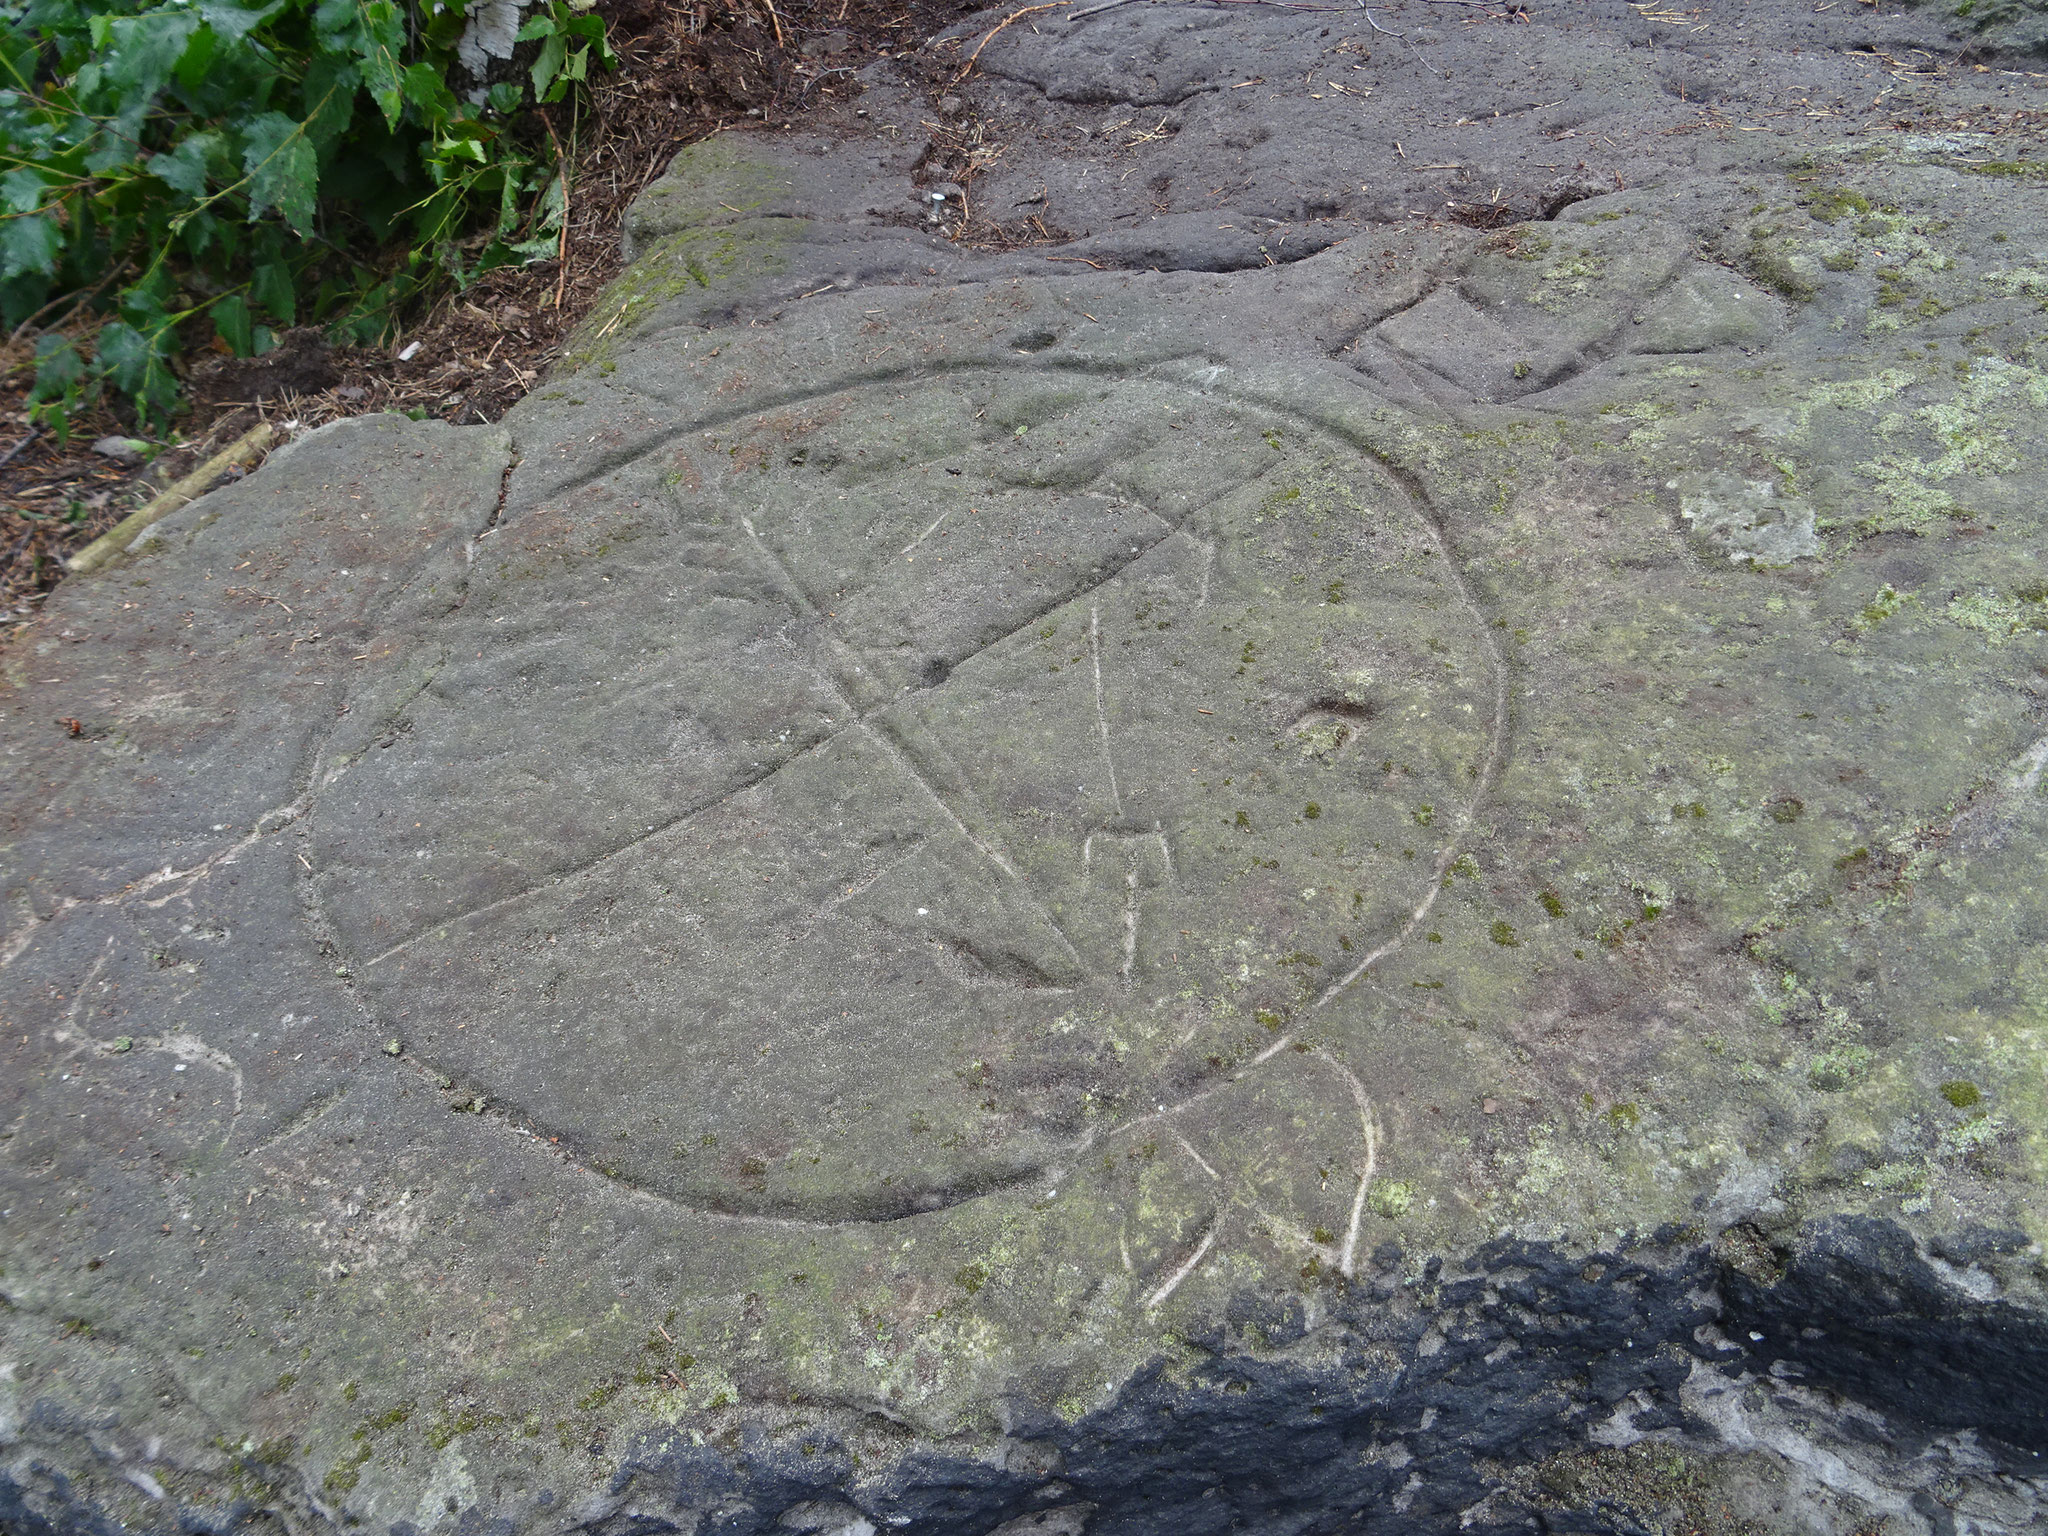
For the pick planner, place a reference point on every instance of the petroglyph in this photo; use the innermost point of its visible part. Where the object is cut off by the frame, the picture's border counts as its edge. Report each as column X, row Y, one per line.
column 944, row 881
column 910, row 828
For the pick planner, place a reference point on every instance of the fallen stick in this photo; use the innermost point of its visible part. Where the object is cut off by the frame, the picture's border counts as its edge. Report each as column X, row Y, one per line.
column 15, row 452
column 968, row 68
column 245, row 449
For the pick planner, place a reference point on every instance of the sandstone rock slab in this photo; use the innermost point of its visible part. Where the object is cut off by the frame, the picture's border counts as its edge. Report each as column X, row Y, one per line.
column 1398, row 881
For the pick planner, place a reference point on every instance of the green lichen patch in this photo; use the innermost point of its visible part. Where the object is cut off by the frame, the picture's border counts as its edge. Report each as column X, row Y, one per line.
column 718, row 180
column 1391, row 1198
column 1778, row 263
column 715, row 264
column 1827, row 204
column 2021, row 170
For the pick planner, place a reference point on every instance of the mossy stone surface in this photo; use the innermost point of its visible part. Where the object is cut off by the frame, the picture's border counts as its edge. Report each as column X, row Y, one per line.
column 895, row 884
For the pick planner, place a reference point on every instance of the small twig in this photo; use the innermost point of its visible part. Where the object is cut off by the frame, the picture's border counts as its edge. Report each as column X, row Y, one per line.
column 1017, row 15
column 78, row 302
column 562, row 245
column 15, row 452
column 1403, row 36
column 245, row 449
column 260, row 598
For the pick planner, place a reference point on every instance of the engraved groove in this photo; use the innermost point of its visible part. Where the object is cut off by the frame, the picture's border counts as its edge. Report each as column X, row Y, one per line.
column 881, row 730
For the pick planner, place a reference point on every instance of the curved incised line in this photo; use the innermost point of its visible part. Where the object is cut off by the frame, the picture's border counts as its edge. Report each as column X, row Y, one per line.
column 1489, row 774
column 1425, row 513
column 299, row 813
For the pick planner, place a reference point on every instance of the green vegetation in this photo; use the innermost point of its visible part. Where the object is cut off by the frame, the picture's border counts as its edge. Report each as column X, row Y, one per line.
column 2014, row 168
column 1391, row 1198
column 1827, row 204
column 178, row 175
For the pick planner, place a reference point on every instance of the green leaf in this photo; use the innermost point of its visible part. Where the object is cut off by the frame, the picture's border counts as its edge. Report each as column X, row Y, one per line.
column 577, row 67
column 140, row 52
column 187, row 168
column 426, row 89
column 231, row 320
column 272, row 287
column 591, row 26
column 436, row 34
column 282, row 169
column 380, row 39
column 553, row 206
column 139, row 366
column 461, row 146
column 143, row 301
column 511, row 187
column 547, row 65
column 435, row 215
column 21, row 189
column 334, row 21
column 114, row 150
column 235, row 22
column 201, row 232
column 61, row 384
column 530, row 251
column 588, row 25
column 17, row 56
column 197, row 58
column 29, row 243
column 60, row 368
column 540, row 26
column 329, row 97
column 504, row 96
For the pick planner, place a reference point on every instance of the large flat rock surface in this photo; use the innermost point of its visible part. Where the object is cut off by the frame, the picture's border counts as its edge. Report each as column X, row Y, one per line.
column 1285, row 775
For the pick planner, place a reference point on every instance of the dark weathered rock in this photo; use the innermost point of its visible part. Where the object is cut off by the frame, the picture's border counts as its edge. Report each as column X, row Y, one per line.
column 1388, row 877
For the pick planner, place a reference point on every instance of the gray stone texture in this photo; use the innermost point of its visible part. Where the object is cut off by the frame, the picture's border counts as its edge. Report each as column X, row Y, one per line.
column 1362, row 849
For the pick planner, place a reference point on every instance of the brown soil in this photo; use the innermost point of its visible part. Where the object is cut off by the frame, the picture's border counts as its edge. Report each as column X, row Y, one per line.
column 685, row 72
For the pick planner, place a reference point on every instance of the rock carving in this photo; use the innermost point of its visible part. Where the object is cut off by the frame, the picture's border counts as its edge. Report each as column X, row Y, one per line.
column 1360, row 847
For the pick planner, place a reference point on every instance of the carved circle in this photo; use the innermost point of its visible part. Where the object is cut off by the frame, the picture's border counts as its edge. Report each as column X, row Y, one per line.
column 843, row 811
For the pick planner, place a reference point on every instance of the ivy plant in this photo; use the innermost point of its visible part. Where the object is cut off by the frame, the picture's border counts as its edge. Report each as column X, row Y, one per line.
column 187, row 173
